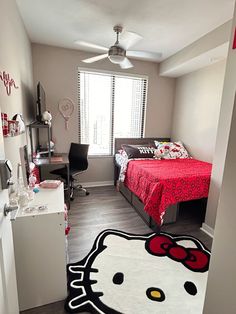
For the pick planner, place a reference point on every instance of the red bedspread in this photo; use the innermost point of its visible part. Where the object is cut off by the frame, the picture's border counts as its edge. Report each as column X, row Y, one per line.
column 160, row 183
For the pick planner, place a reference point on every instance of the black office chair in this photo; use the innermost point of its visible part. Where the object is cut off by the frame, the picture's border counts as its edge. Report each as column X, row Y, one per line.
column 78, row 162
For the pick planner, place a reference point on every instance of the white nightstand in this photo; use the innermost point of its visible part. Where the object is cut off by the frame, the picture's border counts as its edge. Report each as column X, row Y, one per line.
column 40, row 251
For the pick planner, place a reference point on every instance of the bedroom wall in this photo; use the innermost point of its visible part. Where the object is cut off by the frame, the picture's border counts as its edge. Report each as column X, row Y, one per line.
column 16, row 59
column 57, row 68
column 220, row 297
column 196, row 110
column 196, row 122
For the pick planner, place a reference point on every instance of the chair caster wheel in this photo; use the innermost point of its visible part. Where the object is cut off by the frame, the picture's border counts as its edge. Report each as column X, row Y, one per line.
column 87, row 193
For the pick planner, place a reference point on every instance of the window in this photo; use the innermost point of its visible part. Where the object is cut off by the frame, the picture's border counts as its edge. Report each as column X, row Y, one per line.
column 110, row 106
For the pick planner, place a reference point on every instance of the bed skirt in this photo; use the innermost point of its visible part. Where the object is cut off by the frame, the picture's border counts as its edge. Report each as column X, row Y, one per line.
column 169, row 217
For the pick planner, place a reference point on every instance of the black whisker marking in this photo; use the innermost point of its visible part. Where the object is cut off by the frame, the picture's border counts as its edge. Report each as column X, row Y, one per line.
column 92, row 282
column 99, row 294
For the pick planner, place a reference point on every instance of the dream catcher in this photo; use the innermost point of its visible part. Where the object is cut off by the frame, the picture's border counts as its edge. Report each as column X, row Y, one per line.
column 66, row 108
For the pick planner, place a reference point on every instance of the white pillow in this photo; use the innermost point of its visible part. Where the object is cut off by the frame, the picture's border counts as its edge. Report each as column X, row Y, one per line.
column 171, row 150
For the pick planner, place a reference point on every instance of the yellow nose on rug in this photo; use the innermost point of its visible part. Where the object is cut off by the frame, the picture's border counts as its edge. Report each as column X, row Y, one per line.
column 155, row 294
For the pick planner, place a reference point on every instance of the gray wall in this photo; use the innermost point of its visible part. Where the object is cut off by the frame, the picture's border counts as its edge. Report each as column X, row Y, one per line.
column 57, row 68
column 15, row 58
column 195, row 122
column 222, row 140
column 196, row 110
column 220, row 294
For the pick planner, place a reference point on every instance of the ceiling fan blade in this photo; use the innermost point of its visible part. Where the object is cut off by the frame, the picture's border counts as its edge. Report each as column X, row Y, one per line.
column 126, row 64
column 90, row 45
column 94, row 59
column 129, row 39
column 144, row 55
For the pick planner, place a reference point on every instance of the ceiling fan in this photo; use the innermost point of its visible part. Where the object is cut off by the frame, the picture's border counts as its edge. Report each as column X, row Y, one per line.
column 118, row 53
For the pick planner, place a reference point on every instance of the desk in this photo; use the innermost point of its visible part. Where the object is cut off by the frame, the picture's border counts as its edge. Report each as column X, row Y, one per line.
column 56, row 159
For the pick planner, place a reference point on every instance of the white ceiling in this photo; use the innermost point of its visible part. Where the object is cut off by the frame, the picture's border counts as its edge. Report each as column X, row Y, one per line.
column 167, row 26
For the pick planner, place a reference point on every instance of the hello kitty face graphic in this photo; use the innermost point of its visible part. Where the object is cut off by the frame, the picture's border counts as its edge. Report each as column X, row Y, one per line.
column 132, row 274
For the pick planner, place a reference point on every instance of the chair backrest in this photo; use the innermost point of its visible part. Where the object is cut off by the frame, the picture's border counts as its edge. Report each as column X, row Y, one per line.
column 78, row 156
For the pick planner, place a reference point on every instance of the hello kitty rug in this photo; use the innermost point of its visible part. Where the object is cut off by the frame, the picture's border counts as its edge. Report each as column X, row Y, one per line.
column 139, row 274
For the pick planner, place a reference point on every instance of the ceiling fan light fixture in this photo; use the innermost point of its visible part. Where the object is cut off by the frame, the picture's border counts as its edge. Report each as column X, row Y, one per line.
column 116, row 54
column 116, row 59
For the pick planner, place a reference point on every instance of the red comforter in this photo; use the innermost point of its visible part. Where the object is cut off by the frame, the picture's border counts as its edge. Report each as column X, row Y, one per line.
column 160, row 183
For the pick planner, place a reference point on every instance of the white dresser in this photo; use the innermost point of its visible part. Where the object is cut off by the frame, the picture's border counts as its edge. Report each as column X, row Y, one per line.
column 40, row 251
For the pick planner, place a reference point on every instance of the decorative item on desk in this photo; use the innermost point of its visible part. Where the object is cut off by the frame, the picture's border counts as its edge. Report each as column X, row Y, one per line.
column 30, row 209
column 12, row 127
column 56, row 159
column 21, row 124
column 35, row 208
column 32, row 180
column 4, row 124
column 30, row 194
column 13, row 200
column 36, row 189
column 50, row 184
column 47, row 117
column 42, row 207
column 23, row 198
column 66, row 108
column 52, row 146
column 34, row 171
column 24, row 194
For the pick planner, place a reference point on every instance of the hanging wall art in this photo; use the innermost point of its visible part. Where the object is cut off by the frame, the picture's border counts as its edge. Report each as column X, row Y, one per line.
column 66, row 108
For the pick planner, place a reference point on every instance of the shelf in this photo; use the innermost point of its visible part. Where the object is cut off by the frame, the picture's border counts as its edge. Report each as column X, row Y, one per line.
column 6, row 136
column 38, row 125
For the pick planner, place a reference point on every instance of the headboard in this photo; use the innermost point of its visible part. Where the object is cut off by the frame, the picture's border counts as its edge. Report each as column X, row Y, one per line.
column 134, row 141
column 138, row 141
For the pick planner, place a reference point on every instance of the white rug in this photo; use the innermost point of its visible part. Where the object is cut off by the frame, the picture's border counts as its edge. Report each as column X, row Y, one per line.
column 139, row 274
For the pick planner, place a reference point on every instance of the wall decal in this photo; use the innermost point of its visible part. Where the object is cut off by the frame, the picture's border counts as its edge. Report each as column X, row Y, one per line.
column 8, row 82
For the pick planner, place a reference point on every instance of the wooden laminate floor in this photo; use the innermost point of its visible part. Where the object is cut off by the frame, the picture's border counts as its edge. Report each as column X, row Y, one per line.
column 105, row 208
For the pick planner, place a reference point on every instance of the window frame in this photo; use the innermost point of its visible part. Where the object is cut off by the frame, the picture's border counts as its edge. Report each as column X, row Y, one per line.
column 113, row 74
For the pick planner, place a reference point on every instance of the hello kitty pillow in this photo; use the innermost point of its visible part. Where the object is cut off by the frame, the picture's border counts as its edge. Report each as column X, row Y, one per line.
column 171, row 150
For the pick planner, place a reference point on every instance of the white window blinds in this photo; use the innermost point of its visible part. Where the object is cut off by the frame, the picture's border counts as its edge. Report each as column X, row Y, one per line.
column 110, row 106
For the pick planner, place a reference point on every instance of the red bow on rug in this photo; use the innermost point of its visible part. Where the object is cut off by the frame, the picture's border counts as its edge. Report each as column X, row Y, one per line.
column 193, row 258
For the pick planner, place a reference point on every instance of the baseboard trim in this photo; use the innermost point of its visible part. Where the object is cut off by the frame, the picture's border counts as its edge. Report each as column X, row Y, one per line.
column 97, row 183
column 208, row 230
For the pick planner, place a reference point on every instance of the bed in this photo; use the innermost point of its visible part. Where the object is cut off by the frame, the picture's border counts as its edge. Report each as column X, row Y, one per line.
column 155, row 188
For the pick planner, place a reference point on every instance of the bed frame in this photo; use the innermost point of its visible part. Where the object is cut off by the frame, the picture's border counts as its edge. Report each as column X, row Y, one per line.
column 171, row 212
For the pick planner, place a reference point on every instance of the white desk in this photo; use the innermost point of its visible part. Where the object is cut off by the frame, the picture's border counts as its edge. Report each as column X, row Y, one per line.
column 40, row 251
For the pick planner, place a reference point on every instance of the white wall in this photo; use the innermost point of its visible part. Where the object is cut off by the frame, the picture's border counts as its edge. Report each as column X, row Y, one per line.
column 220, row 294
column 57, row 69
column 15, row 58
column 196, row 110
column 221, row 141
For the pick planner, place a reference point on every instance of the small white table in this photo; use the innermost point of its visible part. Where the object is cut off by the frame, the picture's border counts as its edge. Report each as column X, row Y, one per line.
column 40, row 251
